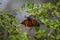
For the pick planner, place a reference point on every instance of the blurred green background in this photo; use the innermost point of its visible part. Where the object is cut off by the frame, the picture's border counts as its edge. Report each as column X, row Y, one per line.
column 47, row 13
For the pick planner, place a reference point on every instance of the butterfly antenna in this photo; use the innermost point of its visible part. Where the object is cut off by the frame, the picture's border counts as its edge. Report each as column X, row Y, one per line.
column 30, row 29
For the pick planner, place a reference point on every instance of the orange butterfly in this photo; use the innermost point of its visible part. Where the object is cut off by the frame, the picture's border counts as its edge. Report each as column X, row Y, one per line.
column 29, row 22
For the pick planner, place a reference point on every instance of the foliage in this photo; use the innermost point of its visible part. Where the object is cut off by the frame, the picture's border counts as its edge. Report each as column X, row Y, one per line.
column 48, row 15
column 8, row 24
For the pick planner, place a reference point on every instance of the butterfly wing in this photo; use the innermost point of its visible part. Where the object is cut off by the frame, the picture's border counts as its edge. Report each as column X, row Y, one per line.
column 30, row 24
column 25, row 22
column 33, row 22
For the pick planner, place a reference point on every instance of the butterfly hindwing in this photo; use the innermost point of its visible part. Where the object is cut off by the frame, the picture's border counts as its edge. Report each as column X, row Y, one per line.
column 33, row 22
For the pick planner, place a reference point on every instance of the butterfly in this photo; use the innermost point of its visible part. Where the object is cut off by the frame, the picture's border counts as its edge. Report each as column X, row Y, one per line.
column 30, row 22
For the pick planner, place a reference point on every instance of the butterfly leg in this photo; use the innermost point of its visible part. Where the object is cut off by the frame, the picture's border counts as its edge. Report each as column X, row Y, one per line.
column 30, row 29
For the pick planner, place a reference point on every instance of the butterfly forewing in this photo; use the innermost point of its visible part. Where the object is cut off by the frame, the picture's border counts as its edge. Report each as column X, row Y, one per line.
column 25, row 22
